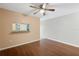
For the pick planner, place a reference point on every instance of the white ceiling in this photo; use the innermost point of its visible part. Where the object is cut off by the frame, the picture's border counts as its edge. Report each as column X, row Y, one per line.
column 60, row 9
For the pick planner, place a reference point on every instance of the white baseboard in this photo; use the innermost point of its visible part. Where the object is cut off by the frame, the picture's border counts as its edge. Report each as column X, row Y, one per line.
column 74, row 45
column 17, row 45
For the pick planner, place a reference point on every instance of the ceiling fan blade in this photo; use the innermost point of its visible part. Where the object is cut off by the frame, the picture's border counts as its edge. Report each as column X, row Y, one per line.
column 50, row 9
column 35, row 7
column 36, row 12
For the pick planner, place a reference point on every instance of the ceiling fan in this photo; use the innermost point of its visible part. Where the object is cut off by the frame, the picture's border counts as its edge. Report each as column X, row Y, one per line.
column 42, row 8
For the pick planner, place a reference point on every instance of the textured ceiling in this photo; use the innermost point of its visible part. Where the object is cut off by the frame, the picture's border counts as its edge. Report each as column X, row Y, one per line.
column 60, row 9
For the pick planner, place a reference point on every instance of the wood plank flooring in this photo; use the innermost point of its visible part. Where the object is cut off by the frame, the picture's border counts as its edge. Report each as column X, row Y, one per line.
column 43, row 47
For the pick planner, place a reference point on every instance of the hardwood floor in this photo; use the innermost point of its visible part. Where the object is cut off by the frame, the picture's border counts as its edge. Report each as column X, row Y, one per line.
column 43, row 47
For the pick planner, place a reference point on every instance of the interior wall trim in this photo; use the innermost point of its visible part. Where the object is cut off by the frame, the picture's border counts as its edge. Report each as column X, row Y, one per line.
column 74, row 45
column 17, row 45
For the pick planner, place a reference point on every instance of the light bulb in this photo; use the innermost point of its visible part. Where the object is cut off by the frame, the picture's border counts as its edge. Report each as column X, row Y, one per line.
column 42, row 11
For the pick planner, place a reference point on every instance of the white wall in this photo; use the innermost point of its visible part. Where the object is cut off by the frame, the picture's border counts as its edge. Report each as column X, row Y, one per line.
column 64, row 28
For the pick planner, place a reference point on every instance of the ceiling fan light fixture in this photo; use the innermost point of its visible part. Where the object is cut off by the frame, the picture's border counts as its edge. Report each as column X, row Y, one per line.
column 42, row 11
